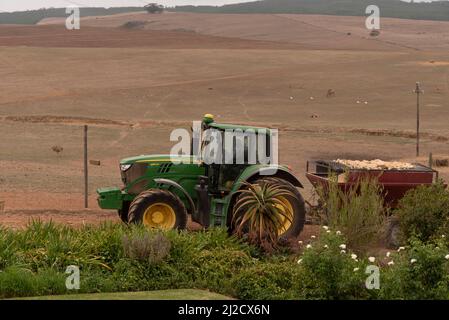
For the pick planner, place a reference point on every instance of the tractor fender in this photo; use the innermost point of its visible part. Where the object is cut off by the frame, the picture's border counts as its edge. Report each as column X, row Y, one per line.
column 251, row 174
column 178, row 187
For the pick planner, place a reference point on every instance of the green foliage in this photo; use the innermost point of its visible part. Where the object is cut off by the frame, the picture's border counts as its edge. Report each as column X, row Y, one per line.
column 424, row 212
column 419, row 272
column 33, row 263
column 152, row 248
column 270, row 281
column 20, row 282
column 359, row 212
column 329, row 272
column 261, row 211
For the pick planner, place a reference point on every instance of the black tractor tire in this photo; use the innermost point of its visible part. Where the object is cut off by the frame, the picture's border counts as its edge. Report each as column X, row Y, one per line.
column 298, row 205
column 150, row 197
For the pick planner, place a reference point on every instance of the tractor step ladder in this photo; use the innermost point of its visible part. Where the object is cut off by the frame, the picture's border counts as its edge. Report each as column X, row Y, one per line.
column 218, row 217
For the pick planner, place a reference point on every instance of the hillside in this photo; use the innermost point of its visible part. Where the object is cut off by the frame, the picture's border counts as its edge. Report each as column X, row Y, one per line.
column 34, row 16
column 438, row 10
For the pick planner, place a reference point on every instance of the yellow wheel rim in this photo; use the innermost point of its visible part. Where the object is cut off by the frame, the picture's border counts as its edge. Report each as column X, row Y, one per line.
column 287, row 211
column 159, row 215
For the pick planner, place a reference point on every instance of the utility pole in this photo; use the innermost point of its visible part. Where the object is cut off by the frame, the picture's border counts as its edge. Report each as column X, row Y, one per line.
column 418, row 91
column 86, row 175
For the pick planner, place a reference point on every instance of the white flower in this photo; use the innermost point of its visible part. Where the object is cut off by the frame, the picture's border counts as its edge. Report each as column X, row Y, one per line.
column 401, row 248
column 328, row 231
column 300, row 242
column 309, row 246
column 446, row 257
column 371, row 259
column 388, row 254
column 313, row 237
column 391, row 263
column 326, row 246
column 299, row 261
column 338, row 232
column 342, row 246
column 412, row 261
column 343, row 251
column 443, row 236
column 325, row 227
column 356, row 269
column 354, row 256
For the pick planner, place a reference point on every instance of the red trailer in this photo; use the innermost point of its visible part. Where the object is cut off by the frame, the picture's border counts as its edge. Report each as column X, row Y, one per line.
column 395, row 182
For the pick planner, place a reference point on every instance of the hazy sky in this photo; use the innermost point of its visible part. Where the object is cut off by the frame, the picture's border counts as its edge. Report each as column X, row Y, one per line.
column 19, row 5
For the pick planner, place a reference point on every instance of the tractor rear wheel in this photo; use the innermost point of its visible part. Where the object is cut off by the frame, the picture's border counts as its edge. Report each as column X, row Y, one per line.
column 291, row 228
column 158, row 209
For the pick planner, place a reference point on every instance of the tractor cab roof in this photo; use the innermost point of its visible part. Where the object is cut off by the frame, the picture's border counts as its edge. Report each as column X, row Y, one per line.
column 210, row 122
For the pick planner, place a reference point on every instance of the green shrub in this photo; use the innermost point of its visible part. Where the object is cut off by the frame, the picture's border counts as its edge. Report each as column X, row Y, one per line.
column 328, row 271
column 146, row 247
column 424, row 212
column 268, row 281
column 359, row 212
column 21, row 282
column 208, row 260
column 419, row 272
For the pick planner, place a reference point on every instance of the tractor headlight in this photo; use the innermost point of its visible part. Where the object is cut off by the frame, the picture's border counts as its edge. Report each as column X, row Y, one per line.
column 124, row 167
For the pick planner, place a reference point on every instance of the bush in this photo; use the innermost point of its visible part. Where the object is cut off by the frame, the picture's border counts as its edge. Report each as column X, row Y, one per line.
column 272, row 281
column 359, row 212
column 33, row 263
column 424, row 212
column 21, row 282
column 146, row 247
column 419, row 272
column 327, row 271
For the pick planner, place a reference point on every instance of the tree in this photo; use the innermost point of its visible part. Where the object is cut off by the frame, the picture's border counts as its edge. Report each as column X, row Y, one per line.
column 154, row 8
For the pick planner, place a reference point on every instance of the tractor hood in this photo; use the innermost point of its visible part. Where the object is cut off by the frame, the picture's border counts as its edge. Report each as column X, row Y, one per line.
column 158, row 158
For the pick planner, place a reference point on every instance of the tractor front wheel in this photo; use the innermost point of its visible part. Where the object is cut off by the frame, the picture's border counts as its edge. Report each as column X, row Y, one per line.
column 158, row 209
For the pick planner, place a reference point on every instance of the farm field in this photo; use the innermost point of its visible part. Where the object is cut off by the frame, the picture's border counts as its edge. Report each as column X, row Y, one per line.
column 132, row 86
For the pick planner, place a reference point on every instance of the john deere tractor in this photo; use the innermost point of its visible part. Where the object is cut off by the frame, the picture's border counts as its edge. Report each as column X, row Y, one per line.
column 160, row 193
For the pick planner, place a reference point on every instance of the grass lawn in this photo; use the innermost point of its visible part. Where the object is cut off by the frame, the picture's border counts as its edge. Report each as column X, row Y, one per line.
column 180, row 294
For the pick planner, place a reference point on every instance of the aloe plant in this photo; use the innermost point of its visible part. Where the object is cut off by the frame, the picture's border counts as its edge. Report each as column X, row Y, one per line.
column 262, row 211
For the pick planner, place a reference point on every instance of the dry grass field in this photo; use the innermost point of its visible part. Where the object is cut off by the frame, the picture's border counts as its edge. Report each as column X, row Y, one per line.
column 133, row 86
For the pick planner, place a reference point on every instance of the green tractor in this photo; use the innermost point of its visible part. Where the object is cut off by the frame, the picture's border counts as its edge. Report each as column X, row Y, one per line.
column 159, row 193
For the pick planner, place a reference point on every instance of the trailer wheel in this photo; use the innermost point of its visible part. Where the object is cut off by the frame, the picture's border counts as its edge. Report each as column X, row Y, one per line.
column 158, row 209
column 296, row 203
